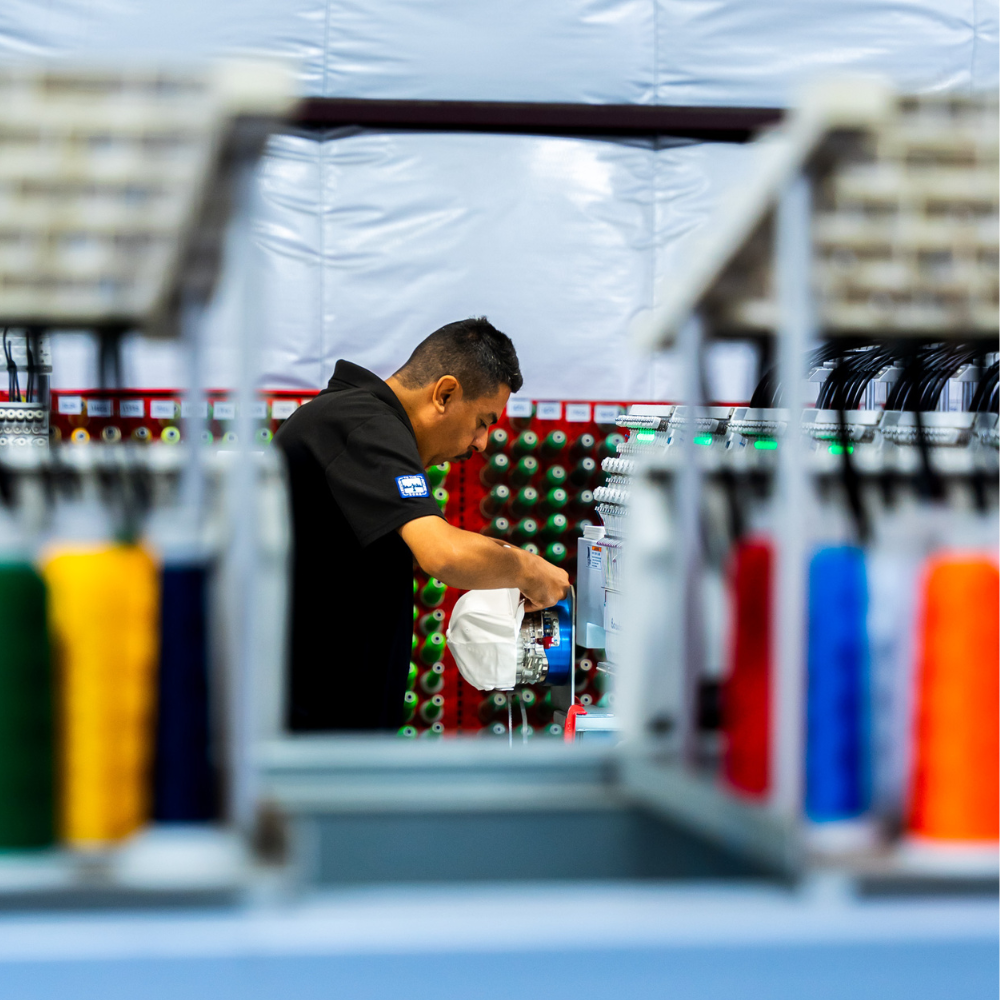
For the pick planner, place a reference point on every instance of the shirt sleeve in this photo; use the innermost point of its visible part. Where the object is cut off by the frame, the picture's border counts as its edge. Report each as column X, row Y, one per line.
column 377, row 480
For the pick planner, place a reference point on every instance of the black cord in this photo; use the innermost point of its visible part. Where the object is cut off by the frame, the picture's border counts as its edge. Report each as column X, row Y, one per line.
column 13, row 388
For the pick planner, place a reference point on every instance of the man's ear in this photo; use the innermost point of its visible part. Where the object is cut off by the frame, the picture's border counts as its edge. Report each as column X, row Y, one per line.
column 445, row 389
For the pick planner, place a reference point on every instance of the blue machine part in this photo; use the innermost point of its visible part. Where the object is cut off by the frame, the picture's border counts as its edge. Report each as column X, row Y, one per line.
column 560, row 656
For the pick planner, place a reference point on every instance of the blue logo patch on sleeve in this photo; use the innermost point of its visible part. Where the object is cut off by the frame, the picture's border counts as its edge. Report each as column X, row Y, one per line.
column 412, row 486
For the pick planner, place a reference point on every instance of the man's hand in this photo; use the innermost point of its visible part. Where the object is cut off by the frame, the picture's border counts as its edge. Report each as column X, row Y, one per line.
column 471, row 561
column 545, row 585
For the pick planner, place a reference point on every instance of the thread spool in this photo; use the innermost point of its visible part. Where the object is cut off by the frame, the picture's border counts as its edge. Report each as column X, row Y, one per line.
column 746, row 691
column 104, row 606
column 27, row 779
column 954, row 786
column 837, row 785
column 183, row 778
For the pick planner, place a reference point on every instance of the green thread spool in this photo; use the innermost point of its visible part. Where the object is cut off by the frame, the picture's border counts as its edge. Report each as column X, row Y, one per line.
column 432, row 593
column 525, row 697
column 441, row 498
column 492, row 706
column 531, row 547
column 494, row 501
column 413, row 645
column 434, row 731
column 497, row 441
column 410, row 700
column 553, row 729
column 525, row 443
column 433, row 648
column 556, row 499
column 525, row 529
column 495, row 469
column 526, row 499
column 432, row 681
column 584, row 471
column 583, row 445
column 27, row 769
column 432, row 709
column 411, row 677
column 437, row 474
column 433, row 621
column 584, row 500
column 555, row 475
column 555, row 442
column 556, row 553
column 523, row 472
column 499, row 527
column 609, row 446
column 555, row 525
column 407, row 732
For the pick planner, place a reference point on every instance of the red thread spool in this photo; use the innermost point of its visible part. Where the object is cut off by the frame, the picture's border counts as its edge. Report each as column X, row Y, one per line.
column 954, row 794
column 746, row 693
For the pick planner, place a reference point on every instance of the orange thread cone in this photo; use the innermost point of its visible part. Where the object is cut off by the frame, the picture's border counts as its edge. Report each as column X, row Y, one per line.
column 955, row 781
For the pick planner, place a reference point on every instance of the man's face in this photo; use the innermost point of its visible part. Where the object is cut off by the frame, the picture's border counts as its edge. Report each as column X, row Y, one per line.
column 465, row 425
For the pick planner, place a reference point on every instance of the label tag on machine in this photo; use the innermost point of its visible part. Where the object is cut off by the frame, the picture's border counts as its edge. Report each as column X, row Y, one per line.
column 412, row 486
column 578, row 413
column 549, row 411
column 595, row 557
column 132, row 408
column 519, row 407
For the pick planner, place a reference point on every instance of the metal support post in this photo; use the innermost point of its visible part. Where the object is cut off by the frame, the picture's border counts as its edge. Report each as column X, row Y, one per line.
column 796, row 330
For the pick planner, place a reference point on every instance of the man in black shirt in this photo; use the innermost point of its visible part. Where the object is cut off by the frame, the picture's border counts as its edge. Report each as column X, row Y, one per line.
column 363, row 512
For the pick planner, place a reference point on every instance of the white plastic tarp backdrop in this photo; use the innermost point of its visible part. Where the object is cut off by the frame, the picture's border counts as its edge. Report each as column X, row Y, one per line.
column 370, row 241
column 739, row 52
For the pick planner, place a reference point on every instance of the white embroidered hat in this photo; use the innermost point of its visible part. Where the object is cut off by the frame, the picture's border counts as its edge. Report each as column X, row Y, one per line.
column 483, row 634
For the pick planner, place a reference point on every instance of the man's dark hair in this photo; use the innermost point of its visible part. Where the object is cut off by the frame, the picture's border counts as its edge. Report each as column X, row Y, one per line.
column 473, row 350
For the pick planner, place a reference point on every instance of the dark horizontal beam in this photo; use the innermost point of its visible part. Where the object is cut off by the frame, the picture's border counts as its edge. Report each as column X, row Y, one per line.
column 530, row 118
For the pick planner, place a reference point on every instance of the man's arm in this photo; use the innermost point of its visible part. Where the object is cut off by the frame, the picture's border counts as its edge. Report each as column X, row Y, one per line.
column 470, row 561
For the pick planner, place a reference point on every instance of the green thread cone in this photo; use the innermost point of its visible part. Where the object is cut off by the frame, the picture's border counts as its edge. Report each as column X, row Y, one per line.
column 527, row 497
column 583, row 445
column 556, row 524
column 497, row 441
column 495, row 469
column 433, row 593
column 525, row 443
column 411, row 677
column 27, row 769
column 431, row 681
column 433, row 621
column 433, row 648
column 609, row 446
column 522, row 473
column 554, row 443
column 497, row 528
column 432, row 709
column 407, row 732
column 410, row 700
column 525, row 529
column 555, row 475
column 494, row 501
column 556, row 499
column 584, row 471
column 556, row 553
column 441, row 497
column 437, row 474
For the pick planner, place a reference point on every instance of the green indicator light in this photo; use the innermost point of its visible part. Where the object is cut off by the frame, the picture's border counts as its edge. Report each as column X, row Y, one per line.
column 645, row 437
column 764, row 445
column 703, row 439
column 838, row 449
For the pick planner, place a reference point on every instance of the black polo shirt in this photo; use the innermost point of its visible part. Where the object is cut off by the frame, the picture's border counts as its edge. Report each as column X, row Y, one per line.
column 355, row 477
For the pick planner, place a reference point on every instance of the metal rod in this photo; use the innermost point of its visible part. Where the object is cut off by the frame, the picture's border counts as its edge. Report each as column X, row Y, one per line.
column 796, row 331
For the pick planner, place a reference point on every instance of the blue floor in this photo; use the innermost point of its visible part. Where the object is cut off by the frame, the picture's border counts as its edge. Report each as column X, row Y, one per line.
column 571, row 941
